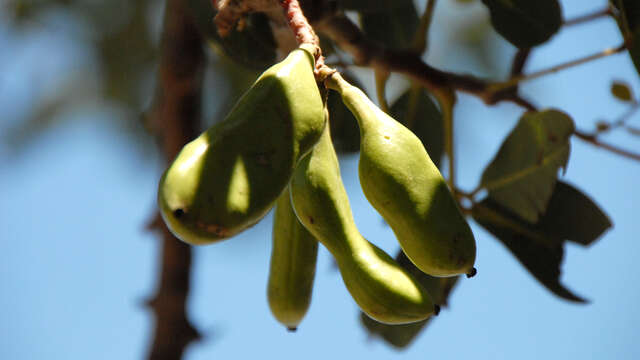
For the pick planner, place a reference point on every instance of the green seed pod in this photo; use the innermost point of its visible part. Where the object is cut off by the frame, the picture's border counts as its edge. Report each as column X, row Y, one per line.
column 293, row 265
column 229, row 177
column 380, row 287
column 406, row 188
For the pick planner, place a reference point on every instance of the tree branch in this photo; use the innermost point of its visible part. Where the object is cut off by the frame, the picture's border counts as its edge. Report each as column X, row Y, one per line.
column 593, row 139
column 523, row 77
column 589, row 17
column 519, row 61
column 298, row 23
column 174, row 119
column 369, row 53
column 421, row 38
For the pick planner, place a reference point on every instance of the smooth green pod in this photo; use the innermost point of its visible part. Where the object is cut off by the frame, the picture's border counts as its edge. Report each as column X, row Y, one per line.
column 293, row 265
column 229, row 177
column 399, row 179
column 380, row 287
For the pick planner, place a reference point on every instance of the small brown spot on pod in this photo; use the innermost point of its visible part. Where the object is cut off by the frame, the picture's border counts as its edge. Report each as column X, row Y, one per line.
column 310, row 219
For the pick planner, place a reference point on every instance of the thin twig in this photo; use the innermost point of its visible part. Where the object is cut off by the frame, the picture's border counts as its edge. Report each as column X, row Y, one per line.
column 589, row 17
column 381, row 78
column 525, row 77
column 593, row 139
column 519, row 61
column 447, row 102
column 627, row 114
column 623, row 19
column 366, row 52
column 421, row 38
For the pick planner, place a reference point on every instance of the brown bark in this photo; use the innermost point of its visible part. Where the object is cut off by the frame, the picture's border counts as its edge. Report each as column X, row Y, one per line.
column 175, row 118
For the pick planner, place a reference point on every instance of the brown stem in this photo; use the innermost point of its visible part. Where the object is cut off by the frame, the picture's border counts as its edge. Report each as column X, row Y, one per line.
column 519, row 61
column 589, row 17
column 174, row 119
column 421, row 39
column 522, row 77
column 298, row 22
column 593, row 139
column 369, row 53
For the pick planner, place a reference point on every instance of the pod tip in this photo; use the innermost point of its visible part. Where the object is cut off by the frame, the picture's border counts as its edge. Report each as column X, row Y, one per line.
column 472, row 272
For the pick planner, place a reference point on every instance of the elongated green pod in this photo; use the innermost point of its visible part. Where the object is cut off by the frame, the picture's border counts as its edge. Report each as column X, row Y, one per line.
column 380, row 287
column 293, row 265
column 229, row 177
column 406, row 188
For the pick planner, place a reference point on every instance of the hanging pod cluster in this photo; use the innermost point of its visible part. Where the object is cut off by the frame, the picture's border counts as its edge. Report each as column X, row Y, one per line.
column 274, row 149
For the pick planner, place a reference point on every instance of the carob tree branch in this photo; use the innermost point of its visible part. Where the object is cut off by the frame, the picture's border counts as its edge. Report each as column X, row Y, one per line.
column 298, row 22
column 593, row 140
column 175, row 118
column 305, row 34
column 366, row 52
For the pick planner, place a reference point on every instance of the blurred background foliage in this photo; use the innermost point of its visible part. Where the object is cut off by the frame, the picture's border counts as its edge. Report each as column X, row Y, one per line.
column 114, row 59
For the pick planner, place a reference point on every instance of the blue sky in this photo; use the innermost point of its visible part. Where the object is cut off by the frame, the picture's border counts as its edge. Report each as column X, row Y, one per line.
column 76, row 262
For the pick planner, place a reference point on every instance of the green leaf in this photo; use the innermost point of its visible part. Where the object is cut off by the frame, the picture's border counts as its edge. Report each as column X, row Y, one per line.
column 572, row 215
column 394, row 25
column 522, row 175
column 345, row 132
column 415, row 110
column 525, row 23
column 253, row 47
column 366, row 5
column 539, row 252
column 629, row 14
column 621, row 91
column 400, row 336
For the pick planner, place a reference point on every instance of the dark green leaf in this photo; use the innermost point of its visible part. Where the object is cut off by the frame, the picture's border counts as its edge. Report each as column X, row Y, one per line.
column 539, row 252
column 525, row 23
column 400, row 336
column 345, row 132
column 621, row 91
column 394, row 25
column 573, row 216
column 438, row 287
column 629, row 11
column 253, row 46
column 415, row 110
column 634, row 48
column 366, row 5
column 522, row 175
